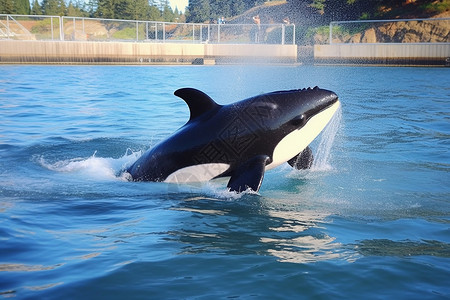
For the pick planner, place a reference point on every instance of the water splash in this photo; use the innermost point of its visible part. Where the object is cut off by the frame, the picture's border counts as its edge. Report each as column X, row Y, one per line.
column 323, row 154
column 105, row 168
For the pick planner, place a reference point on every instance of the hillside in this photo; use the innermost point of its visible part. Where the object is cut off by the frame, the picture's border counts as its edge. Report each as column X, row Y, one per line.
column 301, row 12
column 312, row 23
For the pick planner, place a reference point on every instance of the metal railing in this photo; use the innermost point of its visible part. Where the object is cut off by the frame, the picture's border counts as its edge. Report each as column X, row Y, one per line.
column 108, row 30
column 25, row 27
column 391, row 31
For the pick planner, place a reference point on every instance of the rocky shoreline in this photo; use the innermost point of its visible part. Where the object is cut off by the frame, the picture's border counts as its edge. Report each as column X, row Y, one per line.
column 435, row 30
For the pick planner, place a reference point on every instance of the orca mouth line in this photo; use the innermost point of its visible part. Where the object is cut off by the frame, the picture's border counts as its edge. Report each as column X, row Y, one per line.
column 319, row 109
column 323, row 108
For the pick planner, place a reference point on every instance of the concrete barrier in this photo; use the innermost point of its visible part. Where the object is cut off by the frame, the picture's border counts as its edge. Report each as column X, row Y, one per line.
column 437, row 54
column 14, row 51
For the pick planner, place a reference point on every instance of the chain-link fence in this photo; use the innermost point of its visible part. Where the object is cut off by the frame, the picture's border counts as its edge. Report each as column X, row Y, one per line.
column 25, row 27
column 90, row 29
column 435, row 30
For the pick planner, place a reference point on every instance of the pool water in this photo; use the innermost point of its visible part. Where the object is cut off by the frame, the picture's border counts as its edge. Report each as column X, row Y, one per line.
column 371, row 219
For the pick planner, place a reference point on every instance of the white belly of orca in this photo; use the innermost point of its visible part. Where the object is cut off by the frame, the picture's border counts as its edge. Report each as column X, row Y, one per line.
column 299, row 139
column 197, row 173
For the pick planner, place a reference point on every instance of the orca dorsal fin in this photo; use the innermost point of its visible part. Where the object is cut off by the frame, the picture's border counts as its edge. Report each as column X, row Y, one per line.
column 198, row 102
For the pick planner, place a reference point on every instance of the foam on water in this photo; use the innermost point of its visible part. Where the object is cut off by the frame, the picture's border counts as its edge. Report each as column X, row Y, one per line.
column 100, row 168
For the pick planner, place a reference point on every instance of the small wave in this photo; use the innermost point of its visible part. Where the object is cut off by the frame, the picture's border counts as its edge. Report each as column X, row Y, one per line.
column 222, row 192
column 216, row 189
column 95, row 167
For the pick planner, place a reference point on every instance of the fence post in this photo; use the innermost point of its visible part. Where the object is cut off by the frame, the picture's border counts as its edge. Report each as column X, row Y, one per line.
column 209, row 32
column 51, row 26
column 283, row 32
column 331, row 33
column 164, row 32
column 7, row 26
column 74, row 35
column 61, row 28
column 293, row 34
column 218, row 33
column 146, row 30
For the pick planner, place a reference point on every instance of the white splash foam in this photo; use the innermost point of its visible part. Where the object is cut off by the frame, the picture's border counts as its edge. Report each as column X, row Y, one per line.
column 102, row 168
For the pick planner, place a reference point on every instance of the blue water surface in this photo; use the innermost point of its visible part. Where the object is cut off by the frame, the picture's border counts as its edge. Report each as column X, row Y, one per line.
column 370, row 221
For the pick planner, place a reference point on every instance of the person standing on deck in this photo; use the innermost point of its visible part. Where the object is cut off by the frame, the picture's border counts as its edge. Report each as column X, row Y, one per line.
column 257, row 30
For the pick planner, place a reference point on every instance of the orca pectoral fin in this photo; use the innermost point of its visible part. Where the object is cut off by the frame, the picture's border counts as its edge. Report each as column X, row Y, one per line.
column 303, row 160
column 249, row 175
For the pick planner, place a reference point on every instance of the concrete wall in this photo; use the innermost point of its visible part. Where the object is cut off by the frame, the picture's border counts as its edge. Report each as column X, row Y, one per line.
column 404, row 54
column 12, row 51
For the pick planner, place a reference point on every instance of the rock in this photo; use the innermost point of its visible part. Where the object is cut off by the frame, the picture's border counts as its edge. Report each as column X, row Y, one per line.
column 369, row 36
column 356, row 38
column 427, row 31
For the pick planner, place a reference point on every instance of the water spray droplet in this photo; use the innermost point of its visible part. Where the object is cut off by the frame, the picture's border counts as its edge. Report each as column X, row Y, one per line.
column 323, row 153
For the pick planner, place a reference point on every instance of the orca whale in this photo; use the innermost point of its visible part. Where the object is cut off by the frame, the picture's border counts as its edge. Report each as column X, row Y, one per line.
column 240, row 140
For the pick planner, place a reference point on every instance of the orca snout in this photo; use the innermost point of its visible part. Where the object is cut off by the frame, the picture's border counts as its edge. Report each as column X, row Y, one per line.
column 319, row 100
column 328, row 98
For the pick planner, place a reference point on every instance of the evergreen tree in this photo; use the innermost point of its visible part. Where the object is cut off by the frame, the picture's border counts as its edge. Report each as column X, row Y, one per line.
column 198, row 11
column 121, row 9
column 154, row 13
column 91, row 8
column 62, row 8
column 105, row 9
column 167, row 12
column 6, row 7
column 22, row 7
column 54, row 7
column 75, row 10
column 219, row 8
column 137, row 10
column 237, row 7
column 36, row 10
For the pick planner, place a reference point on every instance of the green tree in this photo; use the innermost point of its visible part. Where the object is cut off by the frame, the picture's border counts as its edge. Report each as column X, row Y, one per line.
column 6, row 6
column 198, row 11
column 135, row 10
column 91, row 8
column 36, row 9
column 22, row 7
column 154, row 13
column 122, row 9
column 319, row 5
column 105, row 9
column 75, row 10
column 237, row 7
column 54, row 7
column 167, row 12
